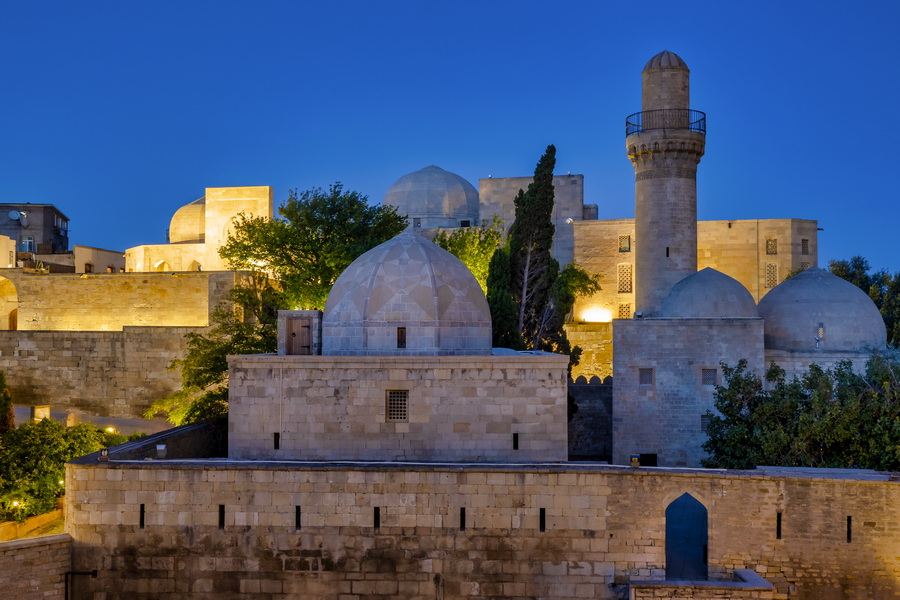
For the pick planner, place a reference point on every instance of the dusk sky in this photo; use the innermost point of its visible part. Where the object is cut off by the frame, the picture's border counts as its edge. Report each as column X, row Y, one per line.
column 121, row 112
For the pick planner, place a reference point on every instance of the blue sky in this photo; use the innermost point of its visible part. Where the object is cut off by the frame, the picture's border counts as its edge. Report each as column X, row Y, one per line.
column 120, row 112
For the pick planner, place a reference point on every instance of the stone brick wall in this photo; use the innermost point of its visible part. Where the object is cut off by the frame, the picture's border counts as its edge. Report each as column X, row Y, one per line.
column 602, row 528
column 35, row 567
column 663, row 415
column 107, row 373
column 595, row 341
column 590, row 431
column 472, row 408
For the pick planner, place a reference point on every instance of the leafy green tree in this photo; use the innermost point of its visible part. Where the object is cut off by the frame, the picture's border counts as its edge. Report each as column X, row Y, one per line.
column 474, row 246
column 7, row 410
column 204, row 368
column 882, row 287
column 320, row 233
column 811, row 421
column 541, row 293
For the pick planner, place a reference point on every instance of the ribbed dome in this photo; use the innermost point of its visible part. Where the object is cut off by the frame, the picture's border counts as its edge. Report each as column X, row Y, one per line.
column 188, row 224
column 406, row 282
column 795, row 310
column 437, row 197
column 708, row 294
column 666, row 60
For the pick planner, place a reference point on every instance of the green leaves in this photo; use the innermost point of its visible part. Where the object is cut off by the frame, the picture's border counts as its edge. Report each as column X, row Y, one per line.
column 474, row 246
column 833, row 418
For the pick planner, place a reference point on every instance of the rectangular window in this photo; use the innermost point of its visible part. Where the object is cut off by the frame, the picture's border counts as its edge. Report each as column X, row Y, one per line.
column 88, row 268
column 709, row 376
column 277, row 440
column 777, row 526
column 820, row 332
column 849, row 529
column 804, row 266
column 624, row 275
column 543, row 520
column 27, row 244
column 704, row 423
column 417, row 222
column 645, row 376
column 465, row 223
column 462, row 518
column 221, row 516
column 771, row 246
column 297, row 514
column 142, row 517
column 771, row 275
column 515, row 441
column 804, row 247
column 624, row 311
column 624, row 243
column 401, row 337
column 396, row 407
column 376, row 518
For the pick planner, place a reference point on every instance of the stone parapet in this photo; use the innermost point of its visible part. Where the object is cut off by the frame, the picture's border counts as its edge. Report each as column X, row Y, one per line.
column 35, row 567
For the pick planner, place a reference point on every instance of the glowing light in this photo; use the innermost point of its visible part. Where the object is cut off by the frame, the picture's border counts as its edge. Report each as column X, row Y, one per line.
column 596, row 314
column 62, row 482
column 15, row 503
column 110, row 429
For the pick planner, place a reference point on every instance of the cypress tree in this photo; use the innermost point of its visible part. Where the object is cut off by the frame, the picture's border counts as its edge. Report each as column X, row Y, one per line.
column 7, row 412
column 501, row 303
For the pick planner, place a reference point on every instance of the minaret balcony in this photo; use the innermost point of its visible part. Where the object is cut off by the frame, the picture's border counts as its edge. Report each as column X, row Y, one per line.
column 666, row 118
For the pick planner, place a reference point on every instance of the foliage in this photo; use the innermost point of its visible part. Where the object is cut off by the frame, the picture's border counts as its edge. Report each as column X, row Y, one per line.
column 474, row 246
column 320, row 233
column 7, row 411
column 811, row 421
column 204, row 368
column 32, row 463
column 525, row 275
column 882, row 287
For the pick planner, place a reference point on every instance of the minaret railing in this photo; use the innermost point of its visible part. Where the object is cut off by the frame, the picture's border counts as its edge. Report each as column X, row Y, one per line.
column 666, row 118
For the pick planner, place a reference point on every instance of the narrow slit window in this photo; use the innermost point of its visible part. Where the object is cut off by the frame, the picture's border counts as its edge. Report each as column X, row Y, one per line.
column 849, row 529
column 543, row 520
column 401, row 337
column 298, row 513
column 462, row 518
column 396, row 408
column 667, row 252
column 376, row 518
column 515, row 441
column 141, row 517
column 777, row 526
column 221, row 516
column 277, row 440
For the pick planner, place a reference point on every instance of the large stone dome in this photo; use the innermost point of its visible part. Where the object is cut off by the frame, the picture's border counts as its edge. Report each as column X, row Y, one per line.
column 432, row 198
column 188, row 224
column 815, row 302
column 708, row 294
column 409, row 283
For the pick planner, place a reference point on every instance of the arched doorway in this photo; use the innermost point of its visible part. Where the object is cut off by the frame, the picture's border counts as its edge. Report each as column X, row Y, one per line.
column 687, row 536
column 162, row 266
column 9, row 305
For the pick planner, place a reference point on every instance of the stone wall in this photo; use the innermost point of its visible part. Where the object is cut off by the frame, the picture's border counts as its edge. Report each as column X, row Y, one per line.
column 590, row 430
column 471, row 408
column 595, row 341
column 35, row 567
column 261, row 531
column 106, row 373
column 109, row 302
column 661, row 390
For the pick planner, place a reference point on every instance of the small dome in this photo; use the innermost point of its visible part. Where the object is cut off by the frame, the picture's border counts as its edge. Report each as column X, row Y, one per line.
column 815, row 303
column 666, row 60
column 188, row 224
column 435, row 196
column 708, row 294
column 407, row 282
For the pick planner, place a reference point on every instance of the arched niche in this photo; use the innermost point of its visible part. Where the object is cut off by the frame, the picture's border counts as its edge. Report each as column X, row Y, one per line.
column 687, row 538
column 162, row 266
column 9, row 305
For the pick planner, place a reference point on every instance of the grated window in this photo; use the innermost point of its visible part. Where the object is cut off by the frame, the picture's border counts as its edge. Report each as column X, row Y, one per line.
column 804, row 247
column 708, row 376
column 624, row 311
column 624, row 275
column 804, row 266
column 396, row 407
column 771, row 275
column 704, row 423
column 771, row 246
column 624, row 243
column 820, row 332
column 645, row 376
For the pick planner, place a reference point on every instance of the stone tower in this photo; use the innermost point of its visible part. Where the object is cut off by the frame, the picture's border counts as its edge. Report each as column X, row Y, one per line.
column 665, row 142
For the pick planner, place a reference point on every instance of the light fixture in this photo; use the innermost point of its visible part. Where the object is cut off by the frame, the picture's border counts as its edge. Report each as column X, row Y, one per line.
column 104, row 454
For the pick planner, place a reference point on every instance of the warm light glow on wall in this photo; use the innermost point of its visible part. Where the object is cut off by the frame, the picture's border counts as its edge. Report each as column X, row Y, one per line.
column 596, row 314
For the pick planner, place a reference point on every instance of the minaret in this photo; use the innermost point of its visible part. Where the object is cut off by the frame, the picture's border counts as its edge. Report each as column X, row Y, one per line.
column 665, row 142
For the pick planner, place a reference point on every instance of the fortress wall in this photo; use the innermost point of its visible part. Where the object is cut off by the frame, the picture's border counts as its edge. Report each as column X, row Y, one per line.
column 595, row 341
column 35, row 567
column 109, row 302
column 478, row 407
column 107, row 373
column 604, row 526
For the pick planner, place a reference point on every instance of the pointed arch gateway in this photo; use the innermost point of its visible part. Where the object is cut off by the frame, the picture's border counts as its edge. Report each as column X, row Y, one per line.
column 687, row 538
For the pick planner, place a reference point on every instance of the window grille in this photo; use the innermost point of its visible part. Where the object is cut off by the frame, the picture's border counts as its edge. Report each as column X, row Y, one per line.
column 771, row 246
column 624, row 276
column 804, row 247
column 804, row 266
column 820, row 331
column 704, row 423
column 397, row 406
column 624, row 311
column 401, row 337
column 771, row 275
column 709, row 376
column 624, row 243
column 645, row 376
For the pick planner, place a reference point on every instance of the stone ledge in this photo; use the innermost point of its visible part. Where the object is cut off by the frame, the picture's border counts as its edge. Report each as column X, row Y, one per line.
column 47, row 540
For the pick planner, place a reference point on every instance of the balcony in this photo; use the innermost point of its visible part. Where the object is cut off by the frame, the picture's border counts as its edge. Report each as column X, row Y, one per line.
column 667, row 118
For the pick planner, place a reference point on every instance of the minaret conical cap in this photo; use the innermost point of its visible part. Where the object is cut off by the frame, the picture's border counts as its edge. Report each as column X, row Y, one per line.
column 666, row 60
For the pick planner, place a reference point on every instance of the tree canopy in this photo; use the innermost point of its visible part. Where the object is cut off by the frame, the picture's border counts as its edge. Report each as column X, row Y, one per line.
column 882, row 287
column 530, row 297
column 474, row 246
column 827, row 418
column 319, row 234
